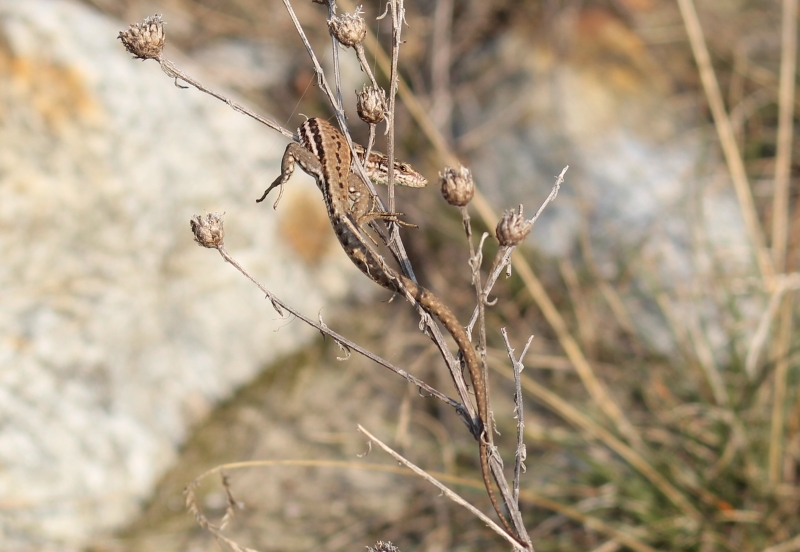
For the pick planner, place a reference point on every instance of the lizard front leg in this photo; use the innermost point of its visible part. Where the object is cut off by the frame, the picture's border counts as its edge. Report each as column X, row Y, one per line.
column 294, row 152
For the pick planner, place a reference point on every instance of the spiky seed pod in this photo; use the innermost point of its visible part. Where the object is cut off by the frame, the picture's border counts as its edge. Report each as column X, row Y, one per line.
column 208, row 230
column 457, row 185
column 145, row 40
column 513, row 227
column 349, row 29
column 371, row 104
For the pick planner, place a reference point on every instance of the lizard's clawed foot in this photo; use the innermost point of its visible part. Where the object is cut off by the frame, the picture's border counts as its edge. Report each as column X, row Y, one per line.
column 279, row 182
column 383, row 215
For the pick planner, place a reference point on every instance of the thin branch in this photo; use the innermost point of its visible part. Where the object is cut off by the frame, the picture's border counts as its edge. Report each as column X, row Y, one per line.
column 519, row 412
column 324, row 329
column 174, row 72
column 337, row 76
column 444, row 489
column 503, row 256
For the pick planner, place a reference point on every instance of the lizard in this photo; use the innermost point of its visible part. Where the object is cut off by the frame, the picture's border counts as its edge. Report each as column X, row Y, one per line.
column 324, row 154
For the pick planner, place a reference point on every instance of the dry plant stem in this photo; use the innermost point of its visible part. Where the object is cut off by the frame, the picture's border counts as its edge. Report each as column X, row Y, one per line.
column 445, row 490
column 397, row 16
column 495, row 462
column 370, row 141
column 397, row 13
column 519, row 411
column 503, row 255
column 783, row 157
column 501, row 259
column 337, row 76
column 780, row 226
column 780, row 392
column 343, row 341
column 362, row 60
column 321, row 80
column 173, row 72
column 727, row 140
column 441, row 97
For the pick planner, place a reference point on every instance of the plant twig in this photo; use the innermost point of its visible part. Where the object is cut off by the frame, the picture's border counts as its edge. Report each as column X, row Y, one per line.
column 519, row 412
column 444, row 489
column 281, row 306
column 503, row 254
column 174, row 72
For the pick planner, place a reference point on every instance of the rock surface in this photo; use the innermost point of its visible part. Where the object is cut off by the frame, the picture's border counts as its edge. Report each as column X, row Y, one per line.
column 118, row 331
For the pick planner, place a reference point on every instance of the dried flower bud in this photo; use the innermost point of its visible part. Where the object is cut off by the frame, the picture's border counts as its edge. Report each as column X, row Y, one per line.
column 349, row 29
column 371, row 104
column 145, row 40
column 208, row 230
column 513, row 227
column 457, row 185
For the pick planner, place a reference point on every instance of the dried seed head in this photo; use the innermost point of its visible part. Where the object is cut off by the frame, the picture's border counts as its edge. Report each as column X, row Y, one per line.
column 208, row 230
column 513, row 227
column 381, row 546
column 371, row 104
column 349, row 29
column 145, row 40
column 457, row 185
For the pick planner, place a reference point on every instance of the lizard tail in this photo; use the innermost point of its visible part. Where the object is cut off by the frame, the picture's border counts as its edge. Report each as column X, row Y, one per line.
column 437, row 308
